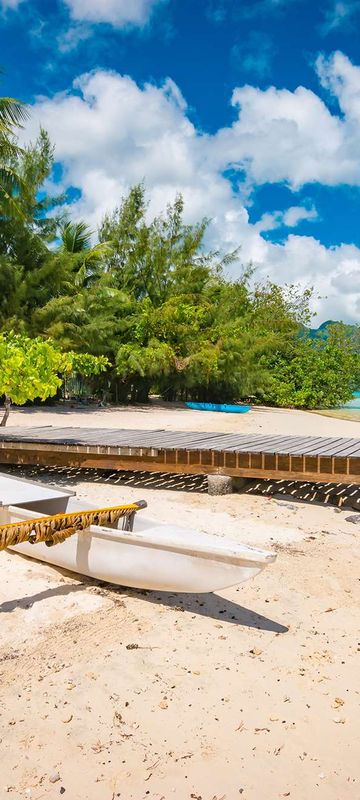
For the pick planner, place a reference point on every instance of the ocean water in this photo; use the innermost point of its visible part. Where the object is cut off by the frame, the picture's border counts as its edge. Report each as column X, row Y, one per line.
column 350, row 410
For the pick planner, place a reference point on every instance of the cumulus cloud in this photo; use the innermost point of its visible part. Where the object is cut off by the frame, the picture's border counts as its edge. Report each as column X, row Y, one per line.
column 293, row 137
column 342, row 80
column 330, row 271
column 296, row 214
column 110, row 133
column 118, row 13
column 290, row 218
column 339, row 15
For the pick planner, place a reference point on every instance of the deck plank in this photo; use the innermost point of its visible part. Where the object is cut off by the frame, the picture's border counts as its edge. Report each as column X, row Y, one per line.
column 139, row 447
column 306, row 445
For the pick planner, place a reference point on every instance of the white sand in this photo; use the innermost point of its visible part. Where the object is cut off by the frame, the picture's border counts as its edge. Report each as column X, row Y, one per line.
column 253, row 693
column 167, row 416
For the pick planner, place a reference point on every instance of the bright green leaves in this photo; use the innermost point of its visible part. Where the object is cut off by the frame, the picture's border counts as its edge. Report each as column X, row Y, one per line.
column 86, row 364
column 30, row 368
column 35, row 368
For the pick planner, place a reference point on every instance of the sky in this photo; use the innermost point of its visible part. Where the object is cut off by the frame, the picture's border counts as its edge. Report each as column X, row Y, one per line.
column 248, row 108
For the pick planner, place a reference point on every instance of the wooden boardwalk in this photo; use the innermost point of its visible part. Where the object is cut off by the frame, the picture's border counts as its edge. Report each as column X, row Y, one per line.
column 238, row 455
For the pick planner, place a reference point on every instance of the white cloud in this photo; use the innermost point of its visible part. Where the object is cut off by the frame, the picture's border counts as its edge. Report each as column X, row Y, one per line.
column 281, row 135
column 330, row 270
column 111, row 133
column 339, row 15
column 290, row 218
column 9, row 4
column 86, row 13
column 70, row 39
column 296, row 214
column 342, row 80
column 116, row 12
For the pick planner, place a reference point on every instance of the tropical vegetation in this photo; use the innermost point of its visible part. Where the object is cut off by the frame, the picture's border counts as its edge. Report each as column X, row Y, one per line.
column 142, row 305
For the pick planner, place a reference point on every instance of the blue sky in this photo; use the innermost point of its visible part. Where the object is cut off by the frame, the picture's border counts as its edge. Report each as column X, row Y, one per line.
column 250, row 108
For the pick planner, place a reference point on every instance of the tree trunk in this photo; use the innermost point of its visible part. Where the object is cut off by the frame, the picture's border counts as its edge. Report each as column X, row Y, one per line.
column 7, row 406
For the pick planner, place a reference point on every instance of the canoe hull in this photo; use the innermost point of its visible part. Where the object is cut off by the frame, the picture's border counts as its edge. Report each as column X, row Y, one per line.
column 140, row 567
column 227, row 408
column 162, row 557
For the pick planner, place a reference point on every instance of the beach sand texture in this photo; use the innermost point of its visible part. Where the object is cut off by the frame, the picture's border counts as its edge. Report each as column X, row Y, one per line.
column 169, row 416
column 253, row 693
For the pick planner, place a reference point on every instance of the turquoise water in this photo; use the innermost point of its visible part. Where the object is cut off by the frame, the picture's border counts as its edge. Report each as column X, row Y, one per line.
column 350, row 410
column 353, row 404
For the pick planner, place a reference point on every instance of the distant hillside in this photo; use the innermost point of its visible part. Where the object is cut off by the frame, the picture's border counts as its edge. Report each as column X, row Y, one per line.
column 322, row 332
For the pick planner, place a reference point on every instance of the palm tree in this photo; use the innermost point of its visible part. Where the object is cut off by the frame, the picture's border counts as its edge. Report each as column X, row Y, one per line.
column 12, row 114
column 76, row 238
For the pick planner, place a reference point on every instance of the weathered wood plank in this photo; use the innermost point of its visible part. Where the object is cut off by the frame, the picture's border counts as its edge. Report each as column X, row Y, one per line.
column 173, row 439
column 81, row 459
column 256, row 455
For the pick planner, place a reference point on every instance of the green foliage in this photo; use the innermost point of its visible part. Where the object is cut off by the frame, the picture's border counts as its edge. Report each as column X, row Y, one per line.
column 148, row 362
column 207, row 345
column 86, row 364
column 147, row 306
column 30, row 368
column 85, row 319
column 351, row 333
column 319, row 373
column 76, row 237
column 161, row 258
column 12, row 115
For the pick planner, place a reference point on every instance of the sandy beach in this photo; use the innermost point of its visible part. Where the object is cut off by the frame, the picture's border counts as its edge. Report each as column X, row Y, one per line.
column 168, row 416
column 254, row 692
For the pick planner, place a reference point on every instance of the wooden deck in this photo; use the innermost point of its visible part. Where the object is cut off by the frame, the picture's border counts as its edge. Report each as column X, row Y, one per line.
column 238, row 455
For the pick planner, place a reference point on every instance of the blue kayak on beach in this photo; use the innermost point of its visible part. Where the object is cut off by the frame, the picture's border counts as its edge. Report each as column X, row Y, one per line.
column 226, row 407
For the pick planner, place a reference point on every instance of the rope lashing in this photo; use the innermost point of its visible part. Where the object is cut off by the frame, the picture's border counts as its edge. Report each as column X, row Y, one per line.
column 58, row 527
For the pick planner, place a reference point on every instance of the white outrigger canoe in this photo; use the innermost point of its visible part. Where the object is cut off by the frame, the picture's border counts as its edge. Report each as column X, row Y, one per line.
column 161, row 557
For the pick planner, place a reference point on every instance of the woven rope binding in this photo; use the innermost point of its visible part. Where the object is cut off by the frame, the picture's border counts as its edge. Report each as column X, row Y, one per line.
column 58, row 527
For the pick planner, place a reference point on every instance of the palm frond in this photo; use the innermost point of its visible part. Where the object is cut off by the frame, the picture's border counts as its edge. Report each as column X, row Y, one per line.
column 9, row 187
column 13, row 113
column 76, row 237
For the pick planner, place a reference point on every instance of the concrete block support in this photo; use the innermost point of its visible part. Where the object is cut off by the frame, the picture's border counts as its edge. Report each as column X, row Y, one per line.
column 220, row 484
column 224, row 484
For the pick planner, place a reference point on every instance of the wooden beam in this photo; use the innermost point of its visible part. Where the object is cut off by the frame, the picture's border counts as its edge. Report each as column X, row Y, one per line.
column 182, row 461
